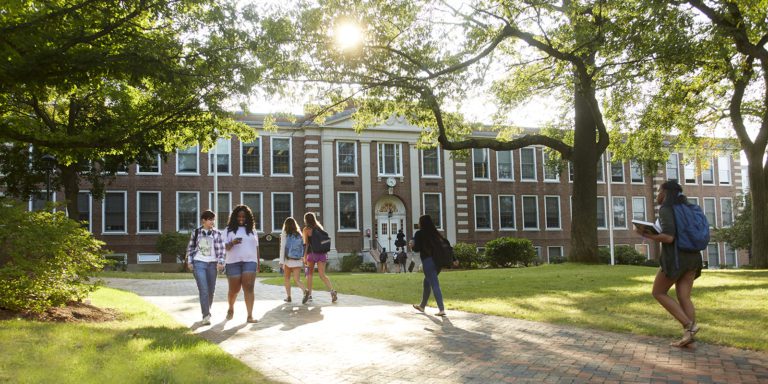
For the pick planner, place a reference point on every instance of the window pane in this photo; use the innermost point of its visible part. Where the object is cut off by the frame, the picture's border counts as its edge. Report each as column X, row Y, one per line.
column 601, row 221
column 483, row 212
column 346, row 158
column 251, row 157
column 507, row 211
column 550, row 170
column 480, row 163
column 617, row 172
column 431, row 162
column 690, row 173
column 39, row 200
column 619, row 212
column 389, row 159
column 505, row 165
column 724, row 169
column 114, row 212
column 222, row 216
column 530, row 212
column 552, row 211
column 253, row 201
column 527, row 164
column 726, row 212
column 223, row 150
column 708, row 173
column 638, row 208
column 713, row 255
column 347, row 211
column 281, row 205
column 84, row 207
column 433, row 208
column 187, row 211
column 149, row 212
column 636, row 171
column 281, row 156
column 186, row 160
column 709, row 211
column 150, row 164
column 672, row 171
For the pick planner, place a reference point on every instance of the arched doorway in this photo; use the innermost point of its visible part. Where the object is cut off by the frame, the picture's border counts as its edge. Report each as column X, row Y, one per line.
column 390, row 217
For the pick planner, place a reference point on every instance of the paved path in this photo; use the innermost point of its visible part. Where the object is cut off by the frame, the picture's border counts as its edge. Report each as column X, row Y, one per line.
column 364, row 340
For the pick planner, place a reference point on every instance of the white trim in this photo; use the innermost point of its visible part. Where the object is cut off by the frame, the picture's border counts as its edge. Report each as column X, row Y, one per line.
column 31, row 199
column 272, row 203
column 645, row 208
column 439, row 206
column 549, row 253
column 514, row 213
column 159, row 213
column 676, row 166
column 229, row 209
column 487, row 154
column 261, row 158
column 197, row 162
column 613, row 212
column 559, row 214
column 724, row 160
column 197, row 210
column 535, row 170
column 605, row 212
column 125, row 214
column 601, row 170
column 272, row 156
column 212, row 163
column 642, row 173
column 338, row 163
column 398, row 151
column 439, row 158
column 522, row 212
column 90, row 208
column 544, row 158
column 714, row 209
column 261, row 207
column 159, row 167
column 722, row 216
column 139, row 255
column 490, row 212
column 623, row 172
column 511, row 166
column 692, row 168
column 357, row 211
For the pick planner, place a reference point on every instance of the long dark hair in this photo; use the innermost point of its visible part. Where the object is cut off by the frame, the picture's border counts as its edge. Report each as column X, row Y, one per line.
column 290, row 226
column 427, row 227
column 311, row 221
column 249, row 221
column 673, row 194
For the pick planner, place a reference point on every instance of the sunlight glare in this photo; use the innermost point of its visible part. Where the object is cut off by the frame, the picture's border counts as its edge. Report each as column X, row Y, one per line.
column 348, row 35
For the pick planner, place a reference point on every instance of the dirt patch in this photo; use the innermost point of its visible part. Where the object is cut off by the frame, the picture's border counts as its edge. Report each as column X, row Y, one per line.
column 73, row 312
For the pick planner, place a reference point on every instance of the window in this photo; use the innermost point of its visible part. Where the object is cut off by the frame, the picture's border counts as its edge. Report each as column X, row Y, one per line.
column 389, row 160
column 39, row 200
column 186, row 160
column 554, row 253
column 730, row 255
column 505, row 166
column 148, row 258
column 602, row 223
column 690, row 173
column 253, row 201
column 713, row 255
column 551, row 172
column 281, row 156
column 528, row 164
column 114, row 210
column 709, row 210
column 483, row 212
column 620, row 212
column 726, row 212
column 148, row 220
column 552, row 212
column 617, row 172
column 693, row 200
column 223, row 152
column 84, row 209
column 346, row 158
column 643, row 250
column 430, row 162
column 507, row 212
column 635, row 171
column 150, row 165
column 530, row 212
column 724, row 169
column 282, row 208
column 638, row 208
column 250, row 157
column 224, row 208
column 708, row 172
column 348, row 211
column 187, row 211
column 570, row 171
column 480, row 164
column 673, row 172
column 600, row 169
column 433, row 206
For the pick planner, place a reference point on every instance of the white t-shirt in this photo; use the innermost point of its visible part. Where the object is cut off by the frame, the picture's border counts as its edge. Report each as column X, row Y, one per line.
column 205, row 247
column 247, row 250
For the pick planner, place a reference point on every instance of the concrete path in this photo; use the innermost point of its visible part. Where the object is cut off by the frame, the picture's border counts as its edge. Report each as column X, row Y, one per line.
column 364, row 340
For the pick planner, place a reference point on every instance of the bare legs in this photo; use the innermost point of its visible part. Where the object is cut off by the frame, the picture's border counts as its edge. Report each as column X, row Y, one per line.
column 682, row 309
column 288, row 272
column 245, row 281
column 321, row 271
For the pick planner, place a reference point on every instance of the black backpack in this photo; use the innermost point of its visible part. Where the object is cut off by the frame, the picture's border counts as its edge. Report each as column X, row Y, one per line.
column 319, row 242
column 442, row 253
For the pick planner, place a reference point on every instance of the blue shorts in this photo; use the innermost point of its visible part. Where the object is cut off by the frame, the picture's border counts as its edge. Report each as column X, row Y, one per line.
column 237, row 269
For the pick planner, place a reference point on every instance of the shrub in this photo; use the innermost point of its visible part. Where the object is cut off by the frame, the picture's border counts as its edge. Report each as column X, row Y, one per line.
column 468, row 256
column 557, row 260
column 45, row 258
column 265, row 268
column 351, row 262
column 368, row 267
column 651, row 263
column 173, row 243
column 623, row 255
column 509, row 252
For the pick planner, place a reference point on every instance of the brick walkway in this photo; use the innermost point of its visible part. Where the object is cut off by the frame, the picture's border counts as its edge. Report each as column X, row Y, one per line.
column 364, row 340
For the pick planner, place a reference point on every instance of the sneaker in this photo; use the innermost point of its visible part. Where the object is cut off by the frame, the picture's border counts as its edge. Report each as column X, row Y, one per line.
column 206, row 320
column 334, row 296
column 306, row 297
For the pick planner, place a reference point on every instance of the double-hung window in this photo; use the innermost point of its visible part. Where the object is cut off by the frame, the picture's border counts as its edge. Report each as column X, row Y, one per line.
column 724, row 169
column 620, row 212
column 254, row 201
column 433, row 206
column 480, row 164
column 149, row 165
column 250, row 157
column 551, row 171
column 617, row 171
column 530, row 212
column 224, row 208
column 483, row 212
column 114, row 212
column 505, row 166
column 689, row 172
column 552, row 212
column 148, row 220
column 346, row 158
column 223, row 156
column 187, row 211
column 506, row 212
column 282, row 208
column 635, row 171
column 726, row 212
column 708, row 172
column 390, row 159
column 281, row 156
column 187, row 160
column 528, row 164
column 348, row 211
column 673, row 171
column 430, row 162
column 638, row 208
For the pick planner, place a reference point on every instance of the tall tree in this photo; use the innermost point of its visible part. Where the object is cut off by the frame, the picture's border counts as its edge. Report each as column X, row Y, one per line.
column 421, row 58
column 88, row 80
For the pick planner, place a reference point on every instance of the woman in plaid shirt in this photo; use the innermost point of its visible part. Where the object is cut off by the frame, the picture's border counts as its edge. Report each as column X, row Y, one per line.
column 205, row 256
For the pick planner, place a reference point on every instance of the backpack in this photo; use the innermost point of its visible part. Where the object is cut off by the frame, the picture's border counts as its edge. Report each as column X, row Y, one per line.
column 692, row 228
column 294, row 247
column 320, row 242
column 443, row 255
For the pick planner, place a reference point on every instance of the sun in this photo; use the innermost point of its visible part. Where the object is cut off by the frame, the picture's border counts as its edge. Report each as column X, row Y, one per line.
column 348, row 35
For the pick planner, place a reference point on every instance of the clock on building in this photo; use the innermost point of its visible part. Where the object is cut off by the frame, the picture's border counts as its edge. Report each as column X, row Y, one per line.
column 391, row 182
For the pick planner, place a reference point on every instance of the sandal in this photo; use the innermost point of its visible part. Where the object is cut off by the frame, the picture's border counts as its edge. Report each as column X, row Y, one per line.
column 230, row 314
column 251, row 320
column 688, row 336
column 334, row 296
column 287, row 299
column 418, row 308
column 441, row 314
column 306, row 297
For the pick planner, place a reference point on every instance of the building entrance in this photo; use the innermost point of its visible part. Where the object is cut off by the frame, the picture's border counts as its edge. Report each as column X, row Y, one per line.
column 390, row 217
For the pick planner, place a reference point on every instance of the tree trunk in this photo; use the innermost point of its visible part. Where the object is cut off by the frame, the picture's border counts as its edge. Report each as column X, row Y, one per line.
column 71, row 183
column 758, row 190
column 584, row 229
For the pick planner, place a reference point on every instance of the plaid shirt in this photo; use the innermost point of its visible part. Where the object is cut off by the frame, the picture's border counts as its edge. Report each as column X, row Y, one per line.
column 218, row 245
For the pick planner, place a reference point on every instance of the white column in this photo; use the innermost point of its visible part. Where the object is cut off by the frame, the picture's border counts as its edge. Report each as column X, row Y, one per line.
column 329, row 195
column 415, row 189
column 367, row 204
column 450, row 197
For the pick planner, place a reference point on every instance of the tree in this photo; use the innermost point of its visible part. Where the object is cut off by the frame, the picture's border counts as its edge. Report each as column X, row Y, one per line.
column 579, row 51
column 99, row 84
column 739, row 236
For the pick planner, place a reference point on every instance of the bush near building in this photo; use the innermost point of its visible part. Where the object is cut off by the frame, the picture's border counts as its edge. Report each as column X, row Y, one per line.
column 468, row 256
column 509, row 252
column 351, row 262
column 624, row 255
column 45, row 258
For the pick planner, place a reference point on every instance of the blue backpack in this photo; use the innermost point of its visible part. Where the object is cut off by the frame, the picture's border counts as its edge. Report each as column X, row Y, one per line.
column 692, row 228
column 294, row 247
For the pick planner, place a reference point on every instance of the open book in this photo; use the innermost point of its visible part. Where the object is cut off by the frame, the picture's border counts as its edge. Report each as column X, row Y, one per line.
column 647, row 226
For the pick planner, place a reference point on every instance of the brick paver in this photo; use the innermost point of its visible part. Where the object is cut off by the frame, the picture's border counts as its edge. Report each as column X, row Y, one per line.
column 364, row 340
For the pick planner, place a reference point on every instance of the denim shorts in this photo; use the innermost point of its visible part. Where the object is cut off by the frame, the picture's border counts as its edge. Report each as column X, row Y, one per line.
column 237, row 269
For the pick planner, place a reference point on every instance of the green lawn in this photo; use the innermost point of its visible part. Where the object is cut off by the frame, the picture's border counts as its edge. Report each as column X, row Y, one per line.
column 732, row 305
column 145, row 346
column 146, row 275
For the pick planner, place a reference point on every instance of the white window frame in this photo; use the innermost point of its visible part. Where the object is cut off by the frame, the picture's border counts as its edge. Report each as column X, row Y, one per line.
column 711, row 170
column 623, row 173
column 338, row 160
column 31, row 199
column 439, row 224
column 676, row 166
column 722, row 214
column 645, row 207
column 439, row 158
column 535, row 170
column 90, row 208
column 197, row 210
column 717, row 248
column 159, row 213
column 549, row 252
column 694, row 200
column 570, row 171
column 487, row 153
column 613, row 212
column 159, row 167
column 261, row 207
column 601, row 177
column 646, row 250
column 688, row 170
column 714, row 209
column 559, row 214
column 104, row 213
column 261, row 158
column 548, row 178
column 116, row 254
column 229, row 209
column 642, row 172
column 726, row 247
column 197, row 163
column 605, row 211
column 724, row 171
column 277, row 227
column 490, row 212
column 514, row 212
column 272, row 156
column 398, row 147
column 153, row 255
column 357, row 211
column 215, row 163
column 522, row 212
column 511, row 166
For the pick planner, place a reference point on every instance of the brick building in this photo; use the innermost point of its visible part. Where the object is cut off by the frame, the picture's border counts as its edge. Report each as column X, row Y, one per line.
column 364, row 187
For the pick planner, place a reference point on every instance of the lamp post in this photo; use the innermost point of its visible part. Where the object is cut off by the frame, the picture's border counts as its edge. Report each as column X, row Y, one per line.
column 389, row 228
column 50, row 163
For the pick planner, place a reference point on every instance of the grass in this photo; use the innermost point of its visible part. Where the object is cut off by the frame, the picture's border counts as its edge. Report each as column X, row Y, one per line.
column 146, row 275
column 731, row 305
column 145, row 346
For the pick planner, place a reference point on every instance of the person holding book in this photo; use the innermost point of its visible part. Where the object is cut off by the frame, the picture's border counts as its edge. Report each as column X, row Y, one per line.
column 679, row 271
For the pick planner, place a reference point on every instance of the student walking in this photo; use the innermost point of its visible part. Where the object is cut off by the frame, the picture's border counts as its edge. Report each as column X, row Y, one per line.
column 205, row 256
column 314, row 231
column 242, row 259
column 429, row 242
column 292, row 257
column 678, row 267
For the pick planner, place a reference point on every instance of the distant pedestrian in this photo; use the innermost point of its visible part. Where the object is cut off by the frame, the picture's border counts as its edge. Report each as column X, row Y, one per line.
column 679, row 268
column 205, row 255
column 242, row 259
column 292, row 258
column 383, row 261
column 429, row 242
column 400, row 242
column 401, row 259
column 313, row 228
